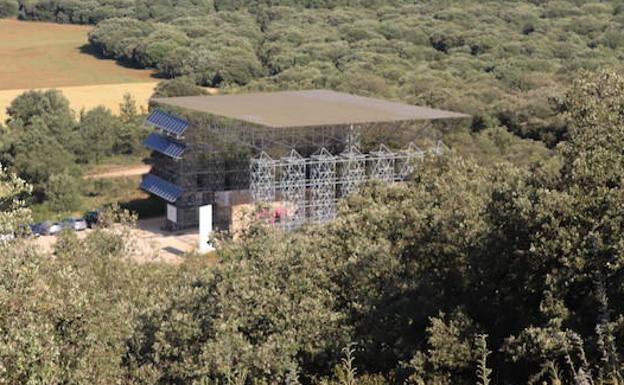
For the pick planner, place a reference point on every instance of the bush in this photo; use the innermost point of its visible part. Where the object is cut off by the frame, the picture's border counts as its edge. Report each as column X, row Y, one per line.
column 99, row 132
column 63, row 192
column 178, row 87
column 8, row 8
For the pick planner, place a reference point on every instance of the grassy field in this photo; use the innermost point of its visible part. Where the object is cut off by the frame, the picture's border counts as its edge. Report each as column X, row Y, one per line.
column 45, row 55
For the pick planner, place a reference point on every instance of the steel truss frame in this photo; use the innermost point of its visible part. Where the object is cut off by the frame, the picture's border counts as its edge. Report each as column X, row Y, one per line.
column 214, row 136
column 310, row 187
column 293, row 187
column 382, row 163
column 262, row 175
column 352, row 170
column 322, row 203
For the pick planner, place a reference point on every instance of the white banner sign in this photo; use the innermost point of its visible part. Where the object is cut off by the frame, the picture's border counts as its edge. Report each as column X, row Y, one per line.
column 172, row 213
column 205, row 229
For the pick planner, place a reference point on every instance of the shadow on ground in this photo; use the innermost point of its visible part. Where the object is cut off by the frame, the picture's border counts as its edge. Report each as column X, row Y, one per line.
column 89, row 49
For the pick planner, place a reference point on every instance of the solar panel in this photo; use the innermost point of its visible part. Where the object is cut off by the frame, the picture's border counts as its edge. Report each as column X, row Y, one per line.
column 160, row 187
column 165, row 146
column 167, row 122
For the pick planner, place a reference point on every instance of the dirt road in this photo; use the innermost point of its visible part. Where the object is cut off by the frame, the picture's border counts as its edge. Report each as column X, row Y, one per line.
column 120, row 172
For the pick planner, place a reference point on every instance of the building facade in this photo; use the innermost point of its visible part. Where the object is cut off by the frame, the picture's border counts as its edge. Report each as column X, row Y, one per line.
column 206, row 148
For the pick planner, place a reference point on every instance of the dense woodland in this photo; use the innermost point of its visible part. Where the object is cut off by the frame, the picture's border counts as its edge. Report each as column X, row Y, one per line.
column 49, row 145
column 500, row 262
column 500, row 61
column 465, row 274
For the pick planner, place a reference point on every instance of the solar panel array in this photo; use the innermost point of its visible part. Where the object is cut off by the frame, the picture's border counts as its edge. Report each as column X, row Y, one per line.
column 171, row 124
column 165, row 146
column 160, row 187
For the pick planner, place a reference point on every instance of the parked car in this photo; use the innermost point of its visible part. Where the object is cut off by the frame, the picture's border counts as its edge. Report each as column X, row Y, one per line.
column 67, row 224
column 92, row 218
column 37, row 229
column 76, row 224
column 51, row 228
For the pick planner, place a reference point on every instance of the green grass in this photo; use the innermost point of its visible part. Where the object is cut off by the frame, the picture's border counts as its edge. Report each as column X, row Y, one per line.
column 102, row 192
column 116, row 161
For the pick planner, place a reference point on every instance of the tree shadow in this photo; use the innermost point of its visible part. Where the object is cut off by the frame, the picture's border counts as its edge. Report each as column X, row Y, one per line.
column 89, row 49
column 174, row 251
column 145, row 208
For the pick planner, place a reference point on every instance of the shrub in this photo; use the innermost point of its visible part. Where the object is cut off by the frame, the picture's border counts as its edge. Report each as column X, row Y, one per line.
column 63, row 192
column 8, row 8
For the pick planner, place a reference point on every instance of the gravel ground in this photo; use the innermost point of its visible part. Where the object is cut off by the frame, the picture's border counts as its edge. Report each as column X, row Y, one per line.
column 151, row 243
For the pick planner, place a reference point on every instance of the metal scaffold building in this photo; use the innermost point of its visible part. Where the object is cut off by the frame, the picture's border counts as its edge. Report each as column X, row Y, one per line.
column 299, row 151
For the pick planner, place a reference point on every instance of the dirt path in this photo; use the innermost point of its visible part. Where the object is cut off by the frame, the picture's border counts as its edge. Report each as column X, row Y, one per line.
column 120, row 172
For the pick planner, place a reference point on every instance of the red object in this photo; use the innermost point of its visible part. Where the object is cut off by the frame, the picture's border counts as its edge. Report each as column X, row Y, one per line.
column 280, row 213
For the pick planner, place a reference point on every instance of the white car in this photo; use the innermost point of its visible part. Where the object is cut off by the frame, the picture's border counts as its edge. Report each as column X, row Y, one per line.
column 76, row 224
column 6, row 237
column 51, row 228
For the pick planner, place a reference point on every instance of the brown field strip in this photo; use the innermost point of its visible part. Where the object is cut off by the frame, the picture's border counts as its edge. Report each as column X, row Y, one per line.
column 36, row 55
column 44, row 55
column 87, row 97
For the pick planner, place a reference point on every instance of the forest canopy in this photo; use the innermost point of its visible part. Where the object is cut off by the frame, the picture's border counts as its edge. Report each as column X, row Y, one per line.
column 463, row 268
column 500, row 61
column 513, row 272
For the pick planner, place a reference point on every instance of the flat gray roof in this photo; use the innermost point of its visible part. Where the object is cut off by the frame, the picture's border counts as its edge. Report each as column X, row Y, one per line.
column 306, row 108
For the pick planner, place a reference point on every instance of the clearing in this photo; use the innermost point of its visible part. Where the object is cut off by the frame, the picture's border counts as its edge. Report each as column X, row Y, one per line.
column 36, row 55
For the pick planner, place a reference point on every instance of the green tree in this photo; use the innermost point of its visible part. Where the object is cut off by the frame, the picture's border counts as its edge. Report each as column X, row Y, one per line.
column 57, row 311
column 63, row 192
column 49, row 106
column 263, row 314
column 128, row 111
column 13, row 210
column 183, row 86
column 577, row 233
column 35, row 154
column 131, row 133
column 8, row 8
column 98, row 129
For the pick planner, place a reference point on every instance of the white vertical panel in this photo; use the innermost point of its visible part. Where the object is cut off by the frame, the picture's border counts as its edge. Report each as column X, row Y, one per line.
column 172, row 213
column 205, row 229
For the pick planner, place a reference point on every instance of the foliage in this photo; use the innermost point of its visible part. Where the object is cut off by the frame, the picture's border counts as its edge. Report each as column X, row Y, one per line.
column 483, row 372
column 66, row 319
column 63, row 192
column 131, row 132
column 43, row 139
column 97, row 131
column 261, row 314
column 13, row 210
column 524, row 52
column 8, row 8
column 49, row 106
column 36, row 154
column 178, row 87
column 414, row 274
